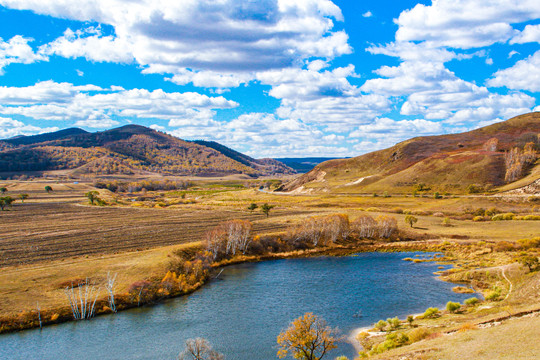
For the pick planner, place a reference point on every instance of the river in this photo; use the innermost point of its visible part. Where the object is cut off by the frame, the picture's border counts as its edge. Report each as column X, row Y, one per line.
column 242, row 312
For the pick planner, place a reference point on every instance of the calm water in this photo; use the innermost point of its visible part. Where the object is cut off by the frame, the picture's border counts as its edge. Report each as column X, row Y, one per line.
column 243, row 312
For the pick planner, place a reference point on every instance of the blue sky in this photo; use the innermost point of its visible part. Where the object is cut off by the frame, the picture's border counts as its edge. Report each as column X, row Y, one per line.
column 271, row 78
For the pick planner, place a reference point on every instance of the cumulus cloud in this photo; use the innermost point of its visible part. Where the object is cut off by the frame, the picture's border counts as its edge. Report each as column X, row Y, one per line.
column 531, row 33
column 367, row 14
column 464, row 24
column 524, row 75
column 323, row 97
column 263, row 134
column 10, row 127
column 17, row 50
column 192, row 36
column 94, row 106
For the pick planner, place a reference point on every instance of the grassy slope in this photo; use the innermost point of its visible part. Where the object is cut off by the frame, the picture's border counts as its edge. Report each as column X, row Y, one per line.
column 444, row 162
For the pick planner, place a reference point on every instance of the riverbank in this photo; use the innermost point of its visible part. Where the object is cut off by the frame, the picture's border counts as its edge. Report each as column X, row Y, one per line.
column 161, row 264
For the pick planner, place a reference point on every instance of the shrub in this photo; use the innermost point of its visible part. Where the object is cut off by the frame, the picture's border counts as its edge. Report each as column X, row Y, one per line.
column 452, row 306
column 529, row 243
column 393, row 323
column 478, row 218
column 531, row 217
column 431, row 313
column 410, row 319
column 446, row 221
column 386, row 195
column 381, row 325
column 494, row 294
column 417, row 334
column 472, row 301
column 506, row 216
column 397, row 210
column 503, row 246
column 438, row 214
column 530, row 261
column 437, row 195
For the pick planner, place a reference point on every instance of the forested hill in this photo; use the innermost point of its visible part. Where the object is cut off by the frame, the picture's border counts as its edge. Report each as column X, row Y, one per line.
column 131, row 149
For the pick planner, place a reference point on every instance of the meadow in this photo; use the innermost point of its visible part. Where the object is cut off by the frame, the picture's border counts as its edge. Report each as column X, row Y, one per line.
column 57, row 238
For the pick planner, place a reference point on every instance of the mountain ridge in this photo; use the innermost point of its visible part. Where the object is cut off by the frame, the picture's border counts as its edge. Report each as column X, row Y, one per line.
column 127, row 150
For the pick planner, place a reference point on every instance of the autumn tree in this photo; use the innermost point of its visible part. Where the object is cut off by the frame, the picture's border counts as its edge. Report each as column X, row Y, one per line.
column 530, row 261
column 411, row 220
column 387, row 225
column 23, row 197
column 307, row 338
column 238, row 236
column 214, row 242
column 92, row 196
column 199, row 349
column 265, row 208
column 365, row 226
column 6, row 201
column 336, row 227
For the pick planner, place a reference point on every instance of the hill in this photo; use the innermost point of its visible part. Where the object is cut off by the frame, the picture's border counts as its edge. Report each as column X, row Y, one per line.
column 477, row 160
column 131, row 149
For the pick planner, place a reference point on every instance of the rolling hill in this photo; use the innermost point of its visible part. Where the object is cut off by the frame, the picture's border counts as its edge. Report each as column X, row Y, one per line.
column 479, row 160
column 131, row 149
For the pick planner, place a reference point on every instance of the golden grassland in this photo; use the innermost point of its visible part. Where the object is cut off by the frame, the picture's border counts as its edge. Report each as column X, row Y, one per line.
column 56, row 238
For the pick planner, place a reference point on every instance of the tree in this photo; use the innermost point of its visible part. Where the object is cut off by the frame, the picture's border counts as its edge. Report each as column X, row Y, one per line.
column 3, row 189
column 23, row 197
column 92, row 196
column 6, row 201
column 307, row 338
column 199, row 349
column 48, row 189
column 265, row 208
column 411, row 220
column 252, row 206
column 530, row 261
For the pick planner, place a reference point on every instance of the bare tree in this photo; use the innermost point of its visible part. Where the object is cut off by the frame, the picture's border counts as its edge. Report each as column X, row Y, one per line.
column 109, row 286
column 365, row 226
column 199, row 349
column 80, row 301
column 214, row 241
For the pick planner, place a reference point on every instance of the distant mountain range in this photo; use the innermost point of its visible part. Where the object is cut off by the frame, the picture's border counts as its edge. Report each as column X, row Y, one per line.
column 500, row 155
column 130, row 149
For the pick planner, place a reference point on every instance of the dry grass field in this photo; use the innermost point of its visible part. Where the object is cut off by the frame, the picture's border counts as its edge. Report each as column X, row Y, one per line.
column 56, row 238
column 34, row 232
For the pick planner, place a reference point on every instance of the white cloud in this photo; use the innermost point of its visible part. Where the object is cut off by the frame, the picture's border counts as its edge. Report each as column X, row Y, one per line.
column 17, row 50
column 531, row 33
column 464, row 24
column 10, row 127
column 204, row 36
column 512, row 53
column 103, row 123
column 91, row 45
column 385, row 127
column 63, row 101
column 367, row 14
column 524, row 75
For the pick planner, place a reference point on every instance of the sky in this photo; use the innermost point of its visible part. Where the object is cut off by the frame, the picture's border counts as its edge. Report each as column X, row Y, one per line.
column 270, row 78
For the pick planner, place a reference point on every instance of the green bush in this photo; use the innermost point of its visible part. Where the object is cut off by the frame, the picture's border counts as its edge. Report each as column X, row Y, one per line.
column 507, row 216
column 381, row 325
column 471, row 301
column 494, row 294
column 452, row 306
column 393, row 323
column 431, row 313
